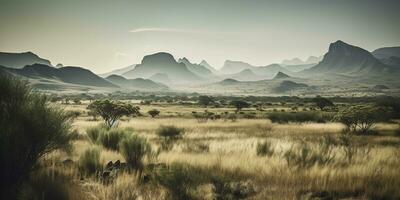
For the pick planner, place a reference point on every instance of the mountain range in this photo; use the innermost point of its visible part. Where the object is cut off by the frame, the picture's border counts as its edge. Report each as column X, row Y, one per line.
column 343, row 68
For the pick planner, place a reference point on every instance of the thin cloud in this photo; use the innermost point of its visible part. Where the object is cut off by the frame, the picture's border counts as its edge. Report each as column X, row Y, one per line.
column 173, row 30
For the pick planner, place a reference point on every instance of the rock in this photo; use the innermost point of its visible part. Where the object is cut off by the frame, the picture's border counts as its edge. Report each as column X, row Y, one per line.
column 109, row 165
column 117, row 164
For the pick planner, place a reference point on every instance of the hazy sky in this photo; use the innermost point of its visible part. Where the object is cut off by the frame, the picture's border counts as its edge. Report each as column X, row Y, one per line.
column 102, row 35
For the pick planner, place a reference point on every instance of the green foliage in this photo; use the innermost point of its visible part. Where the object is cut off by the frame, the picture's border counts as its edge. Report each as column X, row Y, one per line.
column 390, row 103
column 29, row 129
column 303, row 155
column 111, row 139
column 285, row 117
column 153, row 113
column 360, row 119
column 239, row 105
column 265, row 148
column 171, row 132
column 322, row 102
column 111, row 111
column 169, row 135
column 93, row 133
column 43, row 186
column 89, row 162
column 179, row 180
column 205, row 100
column 134, row 148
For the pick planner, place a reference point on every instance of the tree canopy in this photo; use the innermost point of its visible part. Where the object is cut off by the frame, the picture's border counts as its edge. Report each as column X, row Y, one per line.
column 112, row 111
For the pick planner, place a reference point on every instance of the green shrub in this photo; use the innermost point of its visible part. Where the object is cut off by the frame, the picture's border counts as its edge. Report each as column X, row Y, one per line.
column 303, row 155
column 110, row 139
column 46, row 186
column 134, row 148
column 169, row 135
column 94, row 133
column 170, row 132
column 265, row 148
column 29, row 129
column 285, row 117
column 89, row 162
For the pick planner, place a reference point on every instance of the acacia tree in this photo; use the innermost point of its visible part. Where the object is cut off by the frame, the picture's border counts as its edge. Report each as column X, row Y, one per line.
column 30, row 128
column 153, row 113
column 205, row 100
column 322, row 102
column 361, row 118
column 112, row 111
column 239, row 105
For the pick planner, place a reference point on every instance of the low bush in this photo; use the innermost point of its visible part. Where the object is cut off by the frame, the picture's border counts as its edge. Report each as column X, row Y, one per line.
column 93, row 133
column 111, row 139
column 285, row 117
column 89, row 162
column 265, row 148
column 171, row 132
column 134, row 148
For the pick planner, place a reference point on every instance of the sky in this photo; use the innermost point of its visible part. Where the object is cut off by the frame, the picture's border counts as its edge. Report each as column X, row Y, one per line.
column 103, row 35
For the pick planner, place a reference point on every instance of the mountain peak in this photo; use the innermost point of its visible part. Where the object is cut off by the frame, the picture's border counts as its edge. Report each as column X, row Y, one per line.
column 158, row 58
column 281, row 75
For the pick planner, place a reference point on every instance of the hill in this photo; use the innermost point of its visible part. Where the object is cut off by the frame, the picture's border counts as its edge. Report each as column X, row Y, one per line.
column 281, row 75
column 137, row 84
column 197, row 69
column 118, row 71
column 344, row 58
column 162, row 63
column 20, row 60
column 74, row 75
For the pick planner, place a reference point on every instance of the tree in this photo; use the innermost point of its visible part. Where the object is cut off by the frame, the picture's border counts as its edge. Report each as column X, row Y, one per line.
column 322, row 102
column 239, row 105
column 205, row 100
column 112, row 111
column 361, row 118
column 30, row 127
column 153, row 113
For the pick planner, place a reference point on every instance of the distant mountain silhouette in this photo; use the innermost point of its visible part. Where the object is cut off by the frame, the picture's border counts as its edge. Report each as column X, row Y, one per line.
column 388, row 55
column 197, row 69
column 297, row 61
column 347, row 59
column 270, row 70
column 298, row 68
column 246, row 75
column 118, row 71
column 161, row 78
column 386, row 52
column 281, row 75
column 20, row 60
column 138, row 83
column 162, row 63
column 208, row 66
column 286, row 86
column 74, row 75
column 228, row 81
column 233, row 67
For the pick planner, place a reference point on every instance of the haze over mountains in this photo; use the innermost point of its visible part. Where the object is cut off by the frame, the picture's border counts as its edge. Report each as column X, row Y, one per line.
column 341, row 65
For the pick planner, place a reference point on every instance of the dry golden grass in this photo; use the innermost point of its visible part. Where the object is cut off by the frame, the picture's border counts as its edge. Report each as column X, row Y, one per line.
column 232, row 149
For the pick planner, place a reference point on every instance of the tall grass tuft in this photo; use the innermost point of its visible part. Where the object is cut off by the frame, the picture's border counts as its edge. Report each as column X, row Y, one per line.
column 265, row 148
column 112, row 138
column 134, row 148
column 89, row 162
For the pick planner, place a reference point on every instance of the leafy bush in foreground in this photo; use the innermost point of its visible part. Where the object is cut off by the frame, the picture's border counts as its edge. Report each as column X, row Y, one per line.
column 29, row 129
